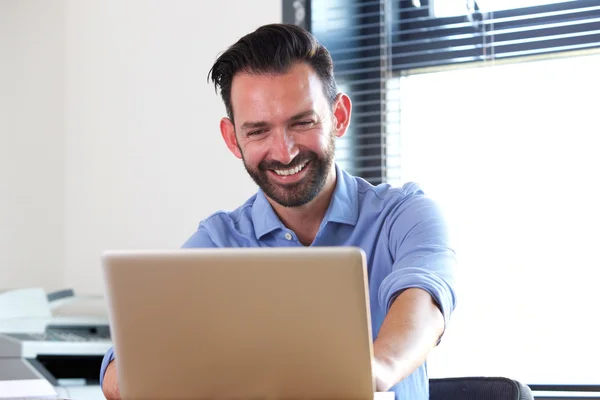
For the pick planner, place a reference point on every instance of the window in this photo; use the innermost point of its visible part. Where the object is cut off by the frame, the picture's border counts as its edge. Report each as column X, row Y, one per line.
column 493, row 110
column 374, row 42
column 452, row 8
column 510, row 151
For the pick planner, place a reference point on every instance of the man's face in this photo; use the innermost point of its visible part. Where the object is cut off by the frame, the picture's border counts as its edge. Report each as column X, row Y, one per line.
column 284, row 133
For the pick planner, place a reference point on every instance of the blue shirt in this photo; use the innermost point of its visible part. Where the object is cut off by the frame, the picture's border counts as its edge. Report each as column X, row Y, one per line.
column 402, row 232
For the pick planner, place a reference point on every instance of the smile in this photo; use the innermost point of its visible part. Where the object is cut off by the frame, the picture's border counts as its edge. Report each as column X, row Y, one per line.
column 291, row 171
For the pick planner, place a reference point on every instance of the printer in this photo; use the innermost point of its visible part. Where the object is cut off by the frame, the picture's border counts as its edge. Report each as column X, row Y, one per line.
column 58, row 337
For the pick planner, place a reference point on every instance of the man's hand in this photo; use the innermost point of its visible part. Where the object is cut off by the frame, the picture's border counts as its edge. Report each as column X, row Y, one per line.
column 410, row 330
column 384, row 376
column 110, row 386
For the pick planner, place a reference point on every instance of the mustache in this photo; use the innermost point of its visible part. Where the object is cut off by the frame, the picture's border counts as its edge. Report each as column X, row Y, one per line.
column 300, row 159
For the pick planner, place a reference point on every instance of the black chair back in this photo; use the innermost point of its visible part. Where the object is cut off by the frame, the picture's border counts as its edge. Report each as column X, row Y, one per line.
column 478, row 388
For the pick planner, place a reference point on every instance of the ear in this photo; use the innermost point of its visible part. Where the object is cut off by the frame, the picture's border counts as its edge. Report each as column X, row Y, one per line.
column 342, row 111
column 228, row 133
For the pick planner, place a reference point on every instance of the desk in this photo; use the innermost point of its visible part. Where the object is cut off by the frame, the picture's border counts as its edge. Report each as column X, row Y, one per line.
column 384, row 396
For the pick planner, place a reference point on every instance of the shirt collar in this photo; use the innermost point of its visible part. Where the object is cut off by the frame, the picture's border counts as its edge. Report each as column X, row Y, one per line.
column 263, row 216
column 342, row 209
column 344, row 202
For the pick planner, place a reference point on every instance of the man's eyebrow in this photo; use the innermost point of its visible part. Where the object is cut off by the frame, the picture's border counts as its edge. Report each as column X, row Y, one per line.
column 253, row 125
column 303, row 114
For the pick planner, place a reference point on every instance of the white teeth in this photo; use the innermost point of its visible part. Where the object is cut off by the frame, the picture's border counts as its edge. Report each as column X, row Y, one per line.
column 290, row 171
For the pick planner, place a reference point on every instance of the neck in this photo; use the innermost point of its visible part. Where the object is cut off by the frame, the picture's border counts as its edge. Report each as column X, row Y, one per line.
column 306, row 220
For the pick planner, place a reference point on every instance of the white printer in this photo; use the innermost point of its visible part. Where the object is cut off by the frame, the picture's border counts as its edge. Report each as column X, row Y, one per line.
column 58, row 337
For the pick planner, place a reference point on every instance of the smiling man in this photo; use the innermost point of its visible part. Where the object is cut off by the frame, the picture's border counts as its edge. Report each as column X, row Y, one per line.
column 284, row 114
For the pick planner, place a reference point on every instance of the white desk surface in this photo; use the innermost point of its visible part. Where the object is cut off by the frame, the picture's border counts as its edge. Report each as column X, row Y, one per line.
column 384, row 396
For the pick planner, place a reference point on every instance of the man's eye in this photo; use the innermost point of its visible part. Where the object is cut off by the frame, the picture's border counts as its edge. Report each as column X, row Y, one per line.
column 254, row 133
column 303, row 123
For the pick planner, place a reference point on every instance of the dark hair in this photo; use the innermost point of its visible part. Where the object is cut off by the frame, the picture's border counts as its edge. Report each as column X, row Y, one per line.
column 274, row 49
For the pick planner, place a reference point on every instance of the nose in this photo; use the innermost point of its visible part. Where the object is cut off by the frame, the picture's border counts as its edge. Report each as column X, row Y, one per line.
column 284, row 147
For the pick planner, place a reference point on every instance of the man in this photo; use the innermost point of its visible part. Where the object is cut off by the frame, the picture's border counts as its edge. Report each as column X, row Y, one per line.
column 283, row 116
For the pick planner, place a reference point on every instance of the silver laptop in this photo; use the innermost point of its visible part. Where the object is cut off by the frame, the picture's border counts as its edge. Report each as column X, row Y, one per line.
column 251, row 323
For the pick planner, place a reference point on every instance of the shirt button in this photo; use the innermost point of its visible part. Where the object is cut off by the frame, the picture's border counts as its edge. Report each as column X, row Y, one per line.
column 288, row 236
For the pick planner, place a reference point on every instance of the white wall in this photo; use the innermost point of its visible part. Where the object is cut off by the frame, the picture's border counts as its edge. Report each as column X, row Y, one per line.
column 32, row 180
column 145, row 159
column 112, row 138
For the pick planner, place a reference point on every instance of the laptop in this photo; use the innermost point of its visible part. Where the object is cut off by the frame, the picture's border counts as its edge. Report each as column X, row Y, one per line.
column 246, row 323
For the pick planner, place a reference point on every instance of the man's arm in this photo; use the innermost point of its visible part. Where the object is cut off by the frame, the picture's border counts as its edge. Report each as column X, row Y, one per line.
column 410, row 330
column 110, row 386
column 108, row 381
column 418, row 293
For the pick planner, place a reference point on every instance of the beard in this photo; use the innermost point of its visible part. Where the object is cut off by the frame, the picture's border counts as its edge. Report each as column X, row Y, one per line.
column 298, row 193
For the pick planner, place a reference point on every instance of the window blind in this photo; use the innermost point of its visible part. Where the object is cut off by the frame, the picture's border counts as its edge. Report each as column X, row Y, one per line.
column 374, row 42
column 355, row 32
column 419, row 39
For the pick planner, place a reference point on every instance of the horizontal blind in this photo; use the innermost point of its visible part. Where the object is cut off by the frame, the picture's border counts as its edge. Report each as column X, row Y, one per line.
column 374, row 42
column 419, row 39
column 355, row 32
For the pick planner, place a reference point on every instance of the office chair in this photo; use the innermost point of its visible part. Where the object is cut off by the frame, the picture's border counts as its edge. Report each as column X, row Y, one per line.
column 478, row 388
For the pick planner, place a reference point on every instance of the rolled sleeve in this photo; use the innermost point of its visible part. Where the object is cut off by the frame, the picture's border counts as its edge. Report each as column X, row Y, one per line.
column 422, row 254
column 422, row 278
column 108, row 357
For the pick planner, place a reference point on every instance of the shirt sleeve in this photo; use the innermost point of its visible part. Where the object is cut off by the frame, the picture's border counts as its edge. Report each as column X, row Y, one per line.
column 200, row 239
column 108, row 357
column 419, row 242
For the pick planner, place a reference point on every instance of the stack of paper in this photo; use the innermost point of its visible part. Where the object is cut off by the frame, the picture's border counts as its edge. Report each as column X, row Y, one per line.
column 28, row 389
